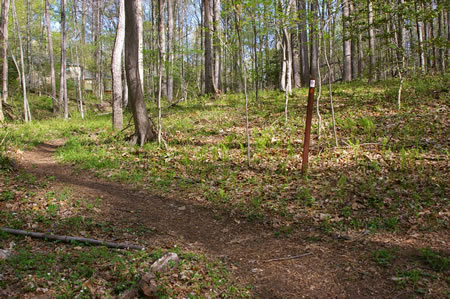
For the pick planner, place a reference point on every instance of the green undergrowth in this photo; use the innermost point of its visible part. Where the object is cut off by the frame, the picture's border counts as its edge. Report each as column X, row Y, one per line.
column 389, row 171
column 60, row 270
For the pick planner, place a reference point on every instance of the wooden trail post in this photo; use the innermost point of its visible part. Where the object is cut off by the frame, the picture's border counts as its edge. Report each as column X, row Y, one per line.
column 309, row 112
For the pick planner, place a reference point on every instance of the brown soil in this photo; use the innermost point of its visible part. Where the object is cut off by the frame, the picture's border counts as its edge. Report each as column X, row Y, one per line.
column 335, row 268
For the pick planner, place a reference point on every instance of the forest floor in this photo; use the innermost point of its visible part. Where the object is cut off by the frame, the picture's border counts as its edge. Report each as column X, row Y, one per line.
column 371, row 219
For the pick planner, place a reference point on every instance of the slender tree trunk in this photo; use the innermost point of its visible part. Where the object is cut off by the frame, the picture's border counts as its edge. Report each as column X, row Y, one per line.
column 209, row 63
column 116, row 69
column 4, row 50
column 296, row 58
column 83, row 42
column 314, row 67
column 332, row 42
column 372, row 59
column 330, row 90
column 52, row 59
column 243, row 73
column 302, row 26
column 141, row 44
column 217, row 48
column 255, row 53
column 162, row 43
column 77, row 59
column 403, row 36
column 26, row 107
column 143, row 128
column 96, row 16
column 162, row 59
column 62, row 92
column 283, row 63
column 29, row 60
column 354, row 31
column 419, row 27
column 170, row 47
column 124, row 82
column 347, row 76
column 441, row 38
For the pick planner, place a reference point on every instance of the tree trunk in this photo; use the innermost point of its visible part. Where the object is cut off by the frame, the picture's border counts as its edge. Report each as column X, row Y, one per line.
column 403, row 33
column 143, row 128
column 209, row 63
column 77, row 59
column 62, row 85
column 296, row 71
column 116, row 69
column 29, row 61
column 83, row 41
column 302, row 27
column 419, row 27
column 217, row 43
column 162, row 43
column 347, row 75
column 96, row 16
column 141, row 44
column 124, row 82
column 4, row 48
column 372, row 59
column 26, row 107
column 3, row 53
column 170, row 47
column 354, row 31
column 52, row 59
column 441, row 38
column 255, row 53
column 314, row 67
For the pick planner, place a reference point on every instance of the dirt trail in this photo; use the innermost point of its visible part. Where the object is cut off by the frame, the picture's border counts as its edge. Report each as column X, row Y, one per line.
column 335, row 268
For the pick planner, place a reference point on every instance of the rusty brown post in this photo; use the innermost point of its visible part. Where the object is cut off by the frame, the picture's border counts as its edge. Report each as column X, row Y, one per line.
column 309, row 112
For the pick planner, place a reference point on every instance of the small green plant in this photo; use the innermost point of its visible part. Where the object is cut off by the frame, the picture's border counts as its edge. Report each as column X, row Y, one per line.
column 391, row 223
column 435, row 260
column 367, row 125
column 52, row 209
column 7, row 195
column 412, row 276
column 383, row 257
column 304, row 196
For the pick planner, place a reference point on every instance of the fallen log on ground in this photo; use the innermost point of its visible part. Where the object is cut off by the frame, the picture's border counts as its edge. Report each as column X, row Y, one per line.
column 69, row 239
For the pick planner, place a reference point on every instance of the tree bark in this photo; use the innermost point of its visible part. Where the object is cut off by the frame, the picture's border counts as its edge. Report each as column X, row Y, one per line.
column 52, row 59
column 141, row 44
column 403, row 34
column 4, row 54
column 77, row 59
column 302, row 28
column 217, row 48
column 26, row 106
column 83, row 42
column 441, row 39
column 162, row 43
column 347, row 75
column 4, row 48
column 62, row 84
column 296, row 71
column 354, row 30
column 209, row 63
column 170, row 48
column 314, row 67
column 372, row 59
column 419, row 27
column 116, row 69
column 143, row 129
